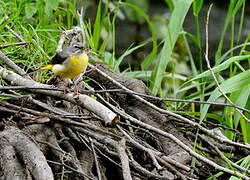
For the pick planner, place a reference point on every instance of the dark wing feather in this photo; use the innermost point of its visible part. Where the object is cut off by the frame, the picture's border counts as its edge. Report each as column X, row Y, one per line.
column 59, row 58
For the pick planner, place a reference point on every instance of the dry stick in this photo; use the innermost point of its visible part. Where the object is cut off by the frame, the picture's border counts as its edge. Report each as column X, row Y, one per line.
column 180, row 143
column 104, row 148
column 144, row 171
column 171, row 168
column 7, row 60
column 96, row 161
column 83, row 140
column 64, row 34
column 179, row 100
column 12, row 44
column 13, row 96
column 108, row 116
column 176, row 163
column 73, row 169
column 211, row 71
column 62, row 175
column 51, row 88
column 163, row 161
column 52, row 146
column 51, row 109
column 216, row 125
column 65, row 120
column 29, row 98
column 60, row 42
column 4, row 109
column 12, row 64
column 83, row 91
column 41, row 49
column 149, row 151
column 120, row 147
column 194, row 124
column 80, row 16
column 43, row 105
column 224, row 156
column 172, row 137
column 13, row 32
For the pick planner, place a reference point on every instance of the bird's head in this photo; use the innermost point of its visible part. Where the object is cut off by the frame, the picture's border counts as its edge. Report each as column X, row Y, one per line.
column 75, row 48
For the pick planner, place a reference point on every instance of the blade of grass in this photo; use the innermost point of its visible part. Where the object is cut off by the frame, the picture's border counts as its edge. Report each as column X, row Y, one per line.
column 97, row 27
column 170, row 4
column 232, row 10
column 221, row 67
column 149, row 59
column 126, row 53
column 230, row 85
column 174, row 28
column 241, row 21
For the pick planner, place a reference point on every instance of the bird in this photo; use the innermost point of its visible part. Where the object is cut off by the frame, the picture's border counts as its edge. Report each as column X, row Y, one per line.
column 69, row 63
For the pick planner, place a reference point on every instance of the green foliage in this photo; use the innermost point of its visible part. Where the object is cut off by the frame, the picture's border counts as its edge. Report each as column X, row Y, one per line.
column 44, row 20
column 234, row 7
column 138, row 8
column 97, row 27
column 170, row 4
column 174, row 28
column 126, row 53
column 230, row 85
column 149, row 59
column 197, row 4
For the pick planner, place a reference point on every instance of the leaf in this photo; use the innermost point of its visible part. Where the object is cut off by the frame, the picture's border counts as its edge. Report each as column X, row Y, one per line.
column 170, row 4
column 51, row 5
column 174, row 28
column 240, row 99
column 127, row 52
column 132, row 13
column 30, row 10
column 230, row 85
column 145, row 75
column 232, row 10
column 97, row 27
column 149, row 59
column 221, row 67
column 197, row 4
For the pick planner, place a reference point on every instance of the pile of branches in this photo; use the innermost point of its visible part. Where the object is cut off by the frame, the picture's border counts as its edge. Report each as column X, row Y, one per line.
column 112, row 129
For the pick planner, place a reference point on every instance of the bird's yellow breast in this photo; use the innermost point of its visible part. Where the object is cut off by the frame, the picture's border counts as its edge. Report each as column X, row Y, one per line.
column 72, row 67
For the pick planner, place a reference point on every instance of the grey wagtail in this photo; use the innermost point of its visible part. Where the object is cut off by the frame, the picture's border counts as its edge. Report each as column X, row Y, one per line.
column 69, row 63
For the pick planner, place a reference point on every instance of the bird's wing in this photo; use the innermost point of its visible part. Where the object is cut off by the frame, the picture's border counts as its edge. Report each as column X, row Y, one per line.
column 59, row 57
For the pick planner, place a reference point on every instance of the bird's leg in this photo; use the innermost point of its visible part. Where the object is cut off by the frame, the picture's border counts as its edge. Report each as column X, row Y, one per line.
column 76, row 88
column 62, row 85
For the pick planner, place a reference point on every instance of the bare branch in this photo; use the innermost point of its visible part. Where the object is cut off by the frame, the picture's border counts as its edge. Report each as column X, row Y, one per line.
column 120, row 147
column 211, row 71
column 41, row 49
column 163, row 111
column 80, row 16
column 12, row 44
column 149, row 151
column 96, row 161
column 85, row 101
column 13, row 65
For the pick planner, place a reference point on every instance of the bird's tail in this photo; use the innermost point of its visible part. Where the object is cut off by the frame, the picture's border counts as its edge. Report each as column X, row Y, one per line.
column 48, row 67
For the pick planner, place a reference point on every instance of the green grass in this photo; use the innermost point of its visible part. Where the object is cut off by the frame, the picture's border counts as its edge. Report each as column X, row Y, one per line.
column 43, row 21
